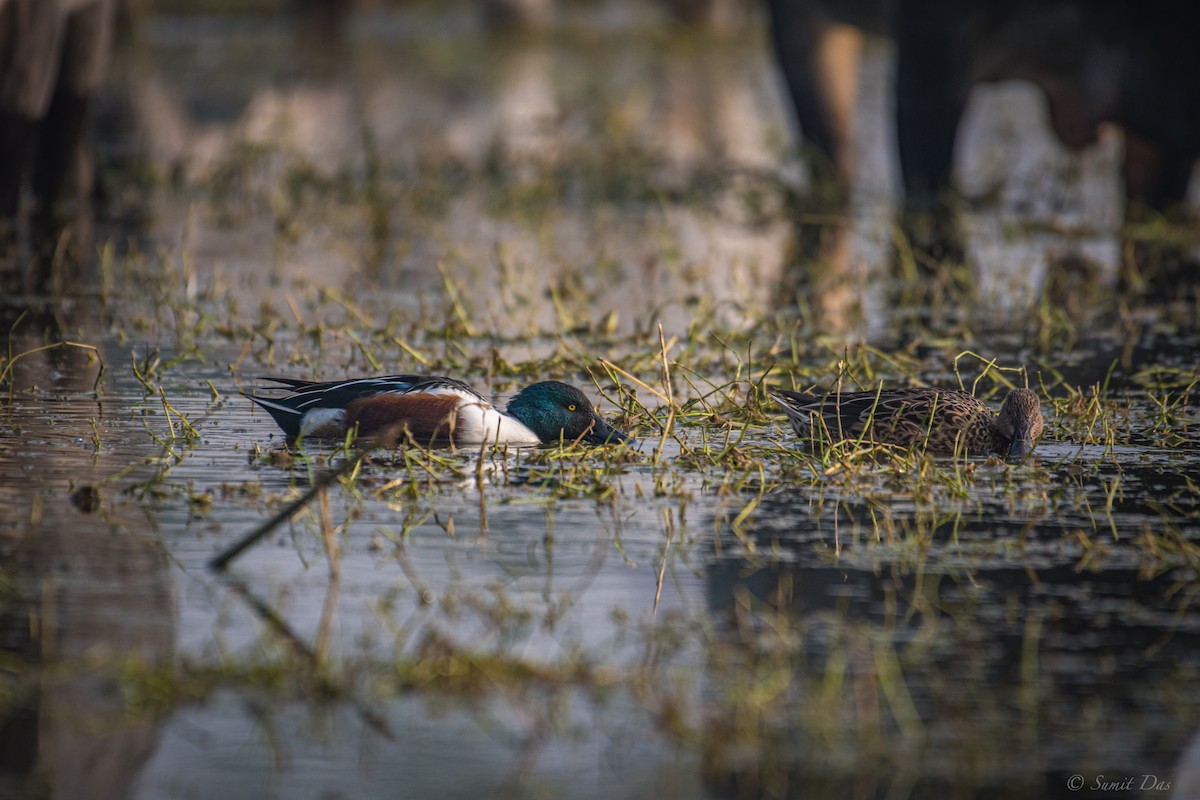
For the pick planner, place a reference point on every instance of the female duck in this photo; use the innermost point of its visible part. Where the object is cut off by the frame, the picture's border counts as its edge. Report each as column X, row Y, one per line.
column 435, row 411
column 938, row 420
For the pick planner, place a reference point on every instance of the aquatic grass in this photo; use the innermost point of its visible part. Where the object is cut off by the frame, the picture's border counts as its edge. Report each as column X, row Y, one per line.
column 990, row 370
column 10, row 358
column 1089, row 416
column 1176, row 415
column 862, row 697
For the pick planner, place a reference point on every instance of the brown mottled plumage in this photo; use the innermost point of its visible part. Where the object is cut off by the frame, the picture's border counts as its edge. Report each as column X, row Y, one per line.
column 937, row 420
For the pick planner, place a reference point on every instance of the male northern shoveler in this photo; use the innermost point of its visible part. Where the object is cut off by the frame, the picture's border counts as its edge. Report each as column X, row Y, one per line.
column 435, row 411
column 939, row 420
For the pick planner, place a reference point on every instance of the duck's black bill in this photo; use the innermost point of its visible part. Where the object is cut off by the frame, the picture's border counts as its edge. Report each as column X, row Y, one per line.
column 603, row 433
column 1022, row 444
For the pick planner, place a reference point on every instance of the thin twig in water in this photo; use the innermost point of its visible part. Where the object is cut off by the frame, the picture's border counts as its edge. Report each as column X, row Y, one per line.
column 276, row 623
column 662, row 567
column 329, row 534
column 609, row 365
column 386, row 439
column 221, row 562
column 7, row 372
column 670, row 398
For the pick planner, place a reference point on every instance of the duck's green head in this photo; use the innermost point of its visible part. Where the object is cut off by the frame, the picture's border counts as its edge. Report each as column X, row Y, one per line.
column 1020, row 422
column 552, row 409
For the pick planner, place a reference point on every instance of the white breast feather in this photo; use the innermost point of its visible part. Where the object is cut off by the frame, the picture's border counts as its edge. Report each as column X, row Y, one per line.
column 479, row 423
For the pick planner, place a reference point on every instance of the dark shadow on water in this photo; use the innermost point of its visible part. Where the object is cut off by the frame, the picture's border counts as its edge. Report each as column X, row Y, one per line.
column 1024, row 661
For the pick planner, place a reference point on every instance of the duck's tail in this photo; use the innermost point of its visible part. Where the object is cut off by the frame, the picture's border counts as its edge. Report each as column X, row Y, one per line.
column 285, row 416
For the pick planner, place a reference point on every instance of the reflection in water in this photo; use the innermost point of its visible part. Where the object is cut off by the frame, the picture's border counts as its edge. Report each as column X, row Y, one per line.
column 556, row 113
column 52, row 59
column 432, row 126
column 95, row 597
column 945, row 654
column 89, row 593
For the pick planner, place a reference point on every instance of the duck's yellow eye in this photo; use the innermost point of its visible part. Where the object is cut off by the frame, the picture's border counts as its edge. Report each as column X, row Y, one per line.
column 570, row 407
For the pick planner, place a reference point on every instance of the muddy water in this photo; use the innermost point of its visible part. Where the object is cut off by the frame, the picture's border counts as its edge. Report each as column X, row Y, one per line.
column 428, row 195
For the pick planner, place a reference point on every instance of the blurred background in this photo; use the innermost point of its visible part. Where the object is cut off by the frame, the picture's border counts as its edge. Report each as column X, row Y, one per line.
column 798, row 155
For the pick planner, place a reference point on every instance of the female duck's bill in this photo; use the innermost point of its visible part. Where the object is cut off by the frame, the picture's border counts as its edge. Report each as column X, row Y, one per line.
column 936, row 420
column 1019, row 423
column 435, row 411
